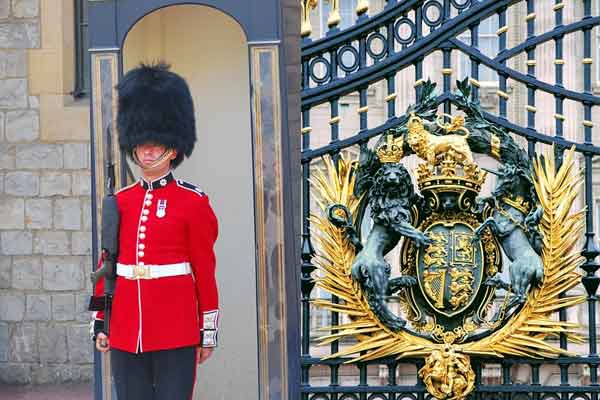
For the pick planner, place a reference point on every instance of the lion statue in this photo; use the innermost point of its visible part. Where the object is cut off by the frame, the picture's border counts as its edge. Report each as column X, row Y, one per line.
column 391, row 197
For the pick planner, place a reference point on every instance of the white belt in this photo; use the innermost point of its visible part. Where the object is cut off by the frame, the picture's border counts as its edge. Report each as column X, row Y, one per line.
column 153, row 271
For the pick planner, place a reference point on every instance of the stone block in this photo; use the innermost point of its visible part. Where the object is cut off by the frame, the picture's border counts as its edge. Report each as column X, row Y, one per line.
column 55, row 114
column 81, row 243
column 86, row 210
column 15, row 373
column 78, row 342
column 22, row 126
column 44, row 374
column 45, row 65
column 87, row 269
column 7, row 156
column 12, row 307
column 13, row 63
column 39, row 156
column 82, row 183
column 20, row 35
column 52, row 344
column 16, row 242
column 77, row 155
column 27, row 273
column 4, row 339
column 38, row 214
column 26, row 8
column 51, row 243
column 12, row 213
column 61, row 373
column 23, row 343
column 22, row 183
column 5, row 268
column 63, row 273
column 55, row 183
column 52, row 15
column 85, row 373
column 67, row 214
column 63, row 307
column 82, row 301
column 4, row 8
column 13, row 92
column 37, row 307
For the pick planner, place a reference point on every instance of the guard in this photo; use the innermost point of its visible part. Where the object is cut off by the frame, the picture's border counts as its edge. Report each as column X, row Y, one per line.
column 164, row 316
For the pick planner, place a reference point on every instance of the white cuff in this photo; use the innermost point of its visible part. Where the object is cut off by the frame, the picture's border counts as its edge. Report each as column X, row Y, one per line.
column 209, row 338
column 210, row 320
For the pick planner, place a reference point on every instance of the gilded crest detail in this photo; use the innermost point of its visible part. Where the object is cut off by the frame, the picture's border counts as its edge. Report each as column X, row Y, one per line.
column 456, row 298
column 448, row 374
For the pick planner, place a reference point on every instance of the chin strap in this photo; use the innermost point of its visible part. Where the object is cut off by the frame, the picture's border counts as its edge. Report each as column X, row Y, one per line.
column 158, row 163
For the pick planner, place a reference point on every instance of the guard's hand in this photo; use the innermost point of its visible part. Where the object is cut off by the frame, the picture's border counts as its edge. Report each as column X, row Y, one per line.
column 102, row 342
column 204, row 353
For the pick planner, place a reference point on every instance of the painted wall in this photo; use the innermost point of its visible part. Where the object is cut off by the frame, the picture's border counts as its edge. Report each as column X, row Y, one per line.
column 209, row 49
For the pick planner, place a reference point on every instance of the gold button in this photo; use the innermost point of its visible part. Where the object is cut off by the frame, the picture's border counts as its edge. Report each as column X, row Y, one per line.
column 148, row 203
column 142, row 228
column 141, row 246
column 144, row 218
column 149, row 196
column 140, row 253
column 145, row 212
column 142, row 236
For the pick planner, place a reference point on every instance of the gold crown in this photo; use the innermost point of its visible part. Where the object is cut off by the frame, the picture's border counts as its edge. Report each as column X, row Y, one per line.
column 450, row 175
column 391, row 151
column 517, row 202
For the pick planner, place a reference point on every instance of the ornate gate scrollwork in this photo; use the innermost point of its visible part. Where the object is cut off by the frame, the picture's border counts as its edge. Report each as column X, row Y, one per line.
column 408, row 260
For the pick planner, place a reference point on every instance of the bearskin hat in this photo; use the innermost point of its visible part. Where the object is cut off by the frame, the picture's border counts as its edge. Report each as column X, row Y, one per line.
column 155, row 105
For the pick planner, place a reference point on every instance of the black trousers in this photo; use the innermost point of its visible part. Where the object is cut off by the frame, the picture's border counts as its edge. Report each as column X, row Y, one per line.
column 155, row 375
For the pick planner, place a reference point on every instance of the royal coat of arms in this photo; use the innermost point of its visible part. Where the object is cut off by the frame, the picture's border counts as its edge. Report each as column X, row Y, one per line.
column 453, row 300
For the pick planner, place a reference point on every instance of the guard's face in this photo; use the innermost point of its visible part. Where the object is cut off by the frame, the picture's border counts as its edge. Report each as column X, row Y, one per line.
column 149, row 153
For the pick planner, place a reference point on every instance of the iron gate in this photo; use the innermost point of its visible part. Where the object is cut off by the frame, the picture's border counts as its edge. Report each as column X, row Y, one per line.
column 376, row 53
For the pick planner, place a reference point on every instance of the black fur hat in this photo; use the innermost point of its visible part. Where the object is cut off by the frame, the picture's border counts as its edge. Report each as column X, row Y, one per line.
column 155, row 105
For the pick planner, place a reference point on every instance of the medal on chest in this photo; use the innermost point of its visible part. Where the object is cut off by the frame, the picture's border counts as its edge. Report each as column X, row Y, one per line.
column 161, row 208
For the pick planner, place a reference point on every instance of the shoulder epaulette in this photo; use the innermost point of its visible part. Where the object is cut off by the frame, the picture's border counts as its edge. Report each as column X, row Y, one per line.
column 127, row 187
column 188, row 186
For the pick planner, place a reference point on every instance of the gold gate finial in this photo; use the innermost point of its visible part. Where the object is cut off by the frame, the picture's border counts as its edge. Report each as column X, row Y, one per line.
column 334, row 15
column 306, row 27
column 362, row 7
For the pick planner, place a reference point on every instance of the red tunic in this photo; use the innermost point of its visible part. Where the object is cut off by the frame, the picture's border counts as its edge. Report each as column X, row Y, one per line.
column 163, row 222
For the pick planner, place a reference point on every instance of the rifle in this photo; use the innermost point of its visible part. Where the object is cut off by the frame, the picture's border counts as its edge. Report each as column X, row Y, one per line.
column 109, row 240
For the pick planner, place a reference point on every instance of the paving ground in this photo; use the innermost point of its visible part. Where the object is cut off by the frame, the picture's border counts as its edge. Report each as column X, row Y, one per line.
column 47, row 392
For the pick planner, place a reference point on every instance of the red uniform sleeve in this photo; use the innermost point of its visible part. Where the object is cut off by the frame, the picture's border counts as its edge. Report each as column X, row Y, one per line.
column 203, row 231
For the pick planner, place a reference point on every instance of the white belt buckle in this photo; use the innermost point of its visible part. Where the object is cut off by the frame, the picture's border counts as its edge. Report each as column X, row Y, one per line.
column 141, row 272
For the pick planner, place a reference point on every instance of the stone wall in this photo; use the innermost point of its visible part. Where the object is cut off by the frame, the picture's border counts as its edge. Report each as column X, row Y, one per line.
column 45, row 224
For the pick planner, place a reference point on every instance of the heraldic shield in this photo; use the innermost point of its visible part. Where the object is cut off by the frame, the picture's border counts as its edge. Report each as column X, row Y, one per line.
column 449, row 270
column 448, row 296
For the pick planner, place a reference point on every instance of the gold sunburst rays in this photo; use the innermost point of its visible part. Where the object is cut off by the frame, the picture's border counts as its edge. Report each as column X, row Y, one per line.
column 334, row 258
column 561, row 230
column 335, row 185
